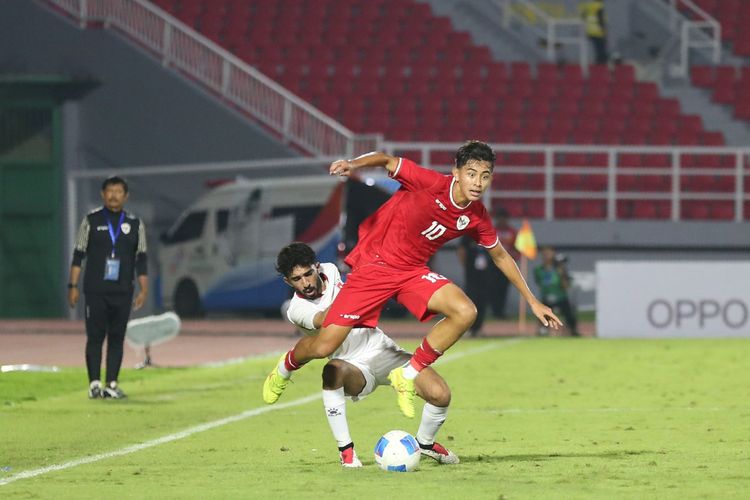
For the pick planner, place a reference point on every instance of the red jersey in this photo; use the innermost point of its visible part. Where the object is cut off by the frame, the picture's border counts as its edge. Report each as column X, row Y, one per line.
column 418, row 219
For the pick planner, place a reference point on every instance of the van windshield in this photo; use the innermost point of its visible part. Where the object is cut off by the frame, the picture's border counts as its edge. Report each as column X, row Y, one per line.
column 191, row 228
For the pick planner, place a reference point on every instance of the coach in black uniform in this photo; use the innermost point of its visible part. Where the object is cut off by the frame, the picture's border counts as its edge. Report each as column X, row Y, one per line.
column 114, row 243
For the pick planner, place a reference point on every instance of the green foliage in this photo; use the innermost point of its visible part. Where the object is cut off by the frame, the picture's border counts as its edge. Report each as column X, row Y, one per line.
column 551, row 418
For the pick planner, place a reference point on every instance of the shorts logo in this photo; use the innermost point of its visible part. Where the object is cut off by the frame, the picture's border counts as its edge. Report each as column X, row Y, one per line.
column 433, row 277
column 440, row 204
column 350, row 316
column 462, row 222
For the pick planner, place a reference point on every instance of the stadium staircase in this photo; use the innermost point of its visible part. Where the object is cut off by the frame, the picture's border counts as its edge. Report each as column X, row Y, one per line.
column 728, row 85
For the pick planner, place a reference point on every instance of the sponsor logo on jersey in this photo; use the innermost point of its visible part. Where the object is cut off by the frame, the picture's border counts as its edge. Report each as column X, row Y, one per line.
column 350, row 316
column 102, row 228
column 462, row 222
column 125, row 228
column 440, row 204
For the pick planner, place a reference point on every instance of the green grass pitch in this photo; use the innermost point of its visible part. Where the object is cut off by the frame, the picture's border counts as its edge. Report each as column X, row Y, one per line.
column 534, row 418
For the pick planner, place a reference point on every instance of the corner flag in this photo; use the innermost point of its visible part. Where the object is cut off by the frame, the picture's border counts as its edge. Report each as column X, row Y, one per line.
column 525, row 241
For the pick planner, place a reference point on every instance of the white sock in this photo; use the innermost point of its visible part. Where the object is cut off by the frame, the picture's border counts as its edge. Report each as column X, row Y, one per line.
column 283, row 371
column 409, row 372
column 95, row 383
column 334, row 402
column 432, row 419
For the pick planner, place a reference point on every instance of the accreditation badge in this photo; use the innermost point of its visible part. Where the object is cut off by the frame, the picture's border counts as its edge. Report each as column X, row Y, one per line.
column 112, row 269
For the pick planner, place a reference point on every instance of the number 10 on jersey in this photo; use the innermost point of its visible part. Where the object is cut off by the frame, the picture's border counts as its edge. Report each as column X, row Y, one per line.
column 435, row 231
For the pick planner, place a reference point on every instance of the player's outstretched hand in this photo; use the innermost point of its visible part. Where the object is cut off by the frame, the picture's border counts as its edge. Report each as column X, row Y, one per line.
column 546, row 316
column 341, row 168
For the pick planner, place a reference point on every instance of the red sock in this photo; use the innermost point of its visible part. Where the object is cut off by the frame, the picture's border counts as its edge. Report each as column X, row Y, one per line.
column 424, row 356
column 290, row 363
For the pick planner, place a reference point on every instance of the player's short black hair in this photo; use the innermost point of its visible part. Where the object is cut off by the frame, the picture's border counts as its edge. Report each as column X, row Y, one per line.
column 114, row 180
column 293, row 255
column 475, row 150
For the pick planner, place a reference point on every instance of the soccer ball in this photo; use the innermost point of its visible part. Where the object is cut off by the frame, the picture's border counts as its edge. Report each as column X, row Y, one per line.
column 397, row 451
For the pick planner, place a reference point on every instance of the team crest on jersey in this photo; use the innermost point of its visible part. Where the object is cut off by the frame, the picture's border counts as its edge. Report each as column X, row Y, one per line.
column 125, row 228
column 462, row 222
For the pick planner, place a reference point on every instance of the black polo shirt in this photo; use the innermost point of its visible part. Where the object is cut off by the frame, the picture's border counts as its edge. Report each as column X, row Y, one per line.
column 94, row 244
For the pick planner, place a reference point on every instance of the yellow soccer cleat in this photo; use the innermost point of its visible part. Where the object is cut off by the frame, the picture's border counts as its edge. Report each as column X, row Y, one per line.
column 405, row 389
column 274, row 384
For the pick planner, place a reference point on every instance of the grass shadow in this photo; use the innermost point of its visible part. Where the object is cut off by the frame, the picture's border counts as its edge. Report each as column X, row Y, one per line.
column 536, row 457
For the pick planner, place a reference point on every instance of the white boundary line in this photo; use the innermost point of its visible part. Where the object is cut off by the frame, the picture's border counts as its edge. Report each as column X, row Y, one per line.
column 216, row 423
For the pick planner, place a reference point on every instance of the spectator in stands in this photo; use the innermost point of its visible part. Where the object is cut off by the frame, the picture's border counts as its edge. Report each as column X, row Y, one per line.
column 113, row 242
column 507, row 234
column 593, row 16
column 553, row 281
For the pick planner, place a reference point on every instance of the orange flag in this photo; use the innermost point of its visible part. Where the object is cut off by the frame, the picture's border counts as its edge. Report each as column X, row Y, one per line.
column 525, row 241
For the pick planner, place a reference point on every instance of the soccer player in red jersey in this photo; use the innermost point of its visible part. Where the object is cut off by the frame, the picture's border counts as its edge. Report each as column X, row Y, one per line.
column 390, row 260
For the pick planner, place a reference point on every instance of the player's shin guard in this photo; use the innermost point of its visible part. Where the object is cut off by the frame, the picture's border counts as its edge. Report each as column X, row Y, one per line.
column 334, row 402
column 423, row 357
column 432, row 419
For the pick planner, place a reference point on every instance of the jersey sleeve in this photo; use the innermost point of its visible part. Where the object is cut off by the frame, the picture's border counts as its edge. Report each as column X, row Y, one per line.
column 413, row 177
column 485, row 233
column 81, row 243
column 302, row 313
column 141, row 260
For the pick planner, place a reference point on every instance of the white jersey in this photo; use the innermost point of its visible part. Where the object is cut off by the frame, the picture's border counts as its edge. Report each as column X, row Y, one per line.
column 368, row 349
column 302, row 311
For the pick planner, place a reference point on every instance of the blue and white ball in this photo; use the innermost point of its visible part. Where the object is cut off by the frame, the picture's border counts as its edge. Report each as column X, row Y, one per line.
column 397, row 451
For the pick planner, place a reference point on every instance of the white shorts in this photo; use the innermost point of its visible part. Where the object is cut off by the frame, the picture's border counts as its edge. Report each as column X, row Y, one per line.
column 376, row 355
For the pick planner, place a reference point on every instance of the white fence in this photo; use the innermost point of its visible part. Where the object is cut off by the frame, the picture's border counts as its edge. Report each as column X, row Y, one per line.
column 180, row 47
column 611, row 174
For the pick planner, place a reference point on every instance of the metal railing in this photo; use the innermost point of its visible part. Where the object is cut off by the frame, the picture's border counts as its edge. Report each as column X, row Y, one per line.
column 618, row 177
column 554, row 31
column 701, row 32
column 178, row 46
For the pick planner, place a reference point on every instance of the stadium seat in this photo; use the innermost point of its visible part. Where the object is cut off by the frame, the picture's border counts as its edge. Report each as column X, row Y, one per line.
column 432, row 82
column 702, row 76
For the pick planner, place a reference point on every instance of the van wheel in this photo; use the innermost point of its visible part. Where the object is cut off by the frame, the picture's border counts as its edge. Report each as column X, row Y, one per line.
column 187, row 301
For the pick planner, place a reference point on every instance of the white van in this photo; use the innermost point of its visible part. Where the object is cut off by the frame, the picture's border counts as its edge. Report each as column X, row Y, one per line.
column 221, row 252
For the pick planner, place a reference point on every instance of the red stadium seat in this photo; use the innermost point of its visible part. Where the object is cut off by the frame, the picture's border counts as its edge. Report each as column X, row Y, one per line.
column 702, row 76
column 431, row 82
column 693, row 209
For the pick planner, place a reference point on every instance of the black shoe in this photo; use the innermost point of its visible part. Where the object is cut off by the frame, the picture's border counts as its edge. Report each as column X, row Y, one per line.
column 95, row 390
column 113, row 391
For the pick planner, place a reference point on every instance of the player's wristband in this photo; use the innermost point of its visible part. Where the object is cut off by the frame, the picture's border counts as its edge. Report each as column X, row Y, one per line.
column 71, row 285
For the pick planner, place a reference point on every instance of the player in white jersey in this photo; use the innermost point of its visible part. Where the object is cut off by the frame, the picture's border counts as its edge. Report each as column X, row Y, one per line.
column 360, row 364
